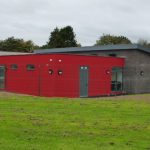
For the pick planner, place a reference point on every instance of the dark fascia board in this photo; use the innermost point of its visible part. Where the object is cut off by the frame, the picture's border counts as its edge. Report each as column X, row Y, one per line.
column 93, row 48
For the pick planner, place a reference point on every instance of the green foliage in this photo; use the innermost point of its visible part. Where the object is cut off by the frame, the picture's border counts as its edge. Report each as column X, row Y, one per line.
column 107, row 39
column 17, row 45
column 64, row 37
column 35, row 123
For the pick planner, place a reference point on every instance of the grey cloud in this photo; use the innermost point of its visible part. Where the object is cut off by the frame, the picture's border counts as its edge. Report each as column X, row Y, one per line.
column 35, row 19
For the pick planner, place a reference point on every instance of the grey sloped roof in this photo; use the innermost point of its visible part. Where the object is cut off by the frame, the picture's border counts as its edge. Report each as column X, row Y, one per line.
column 93, row 48
column 4, row 53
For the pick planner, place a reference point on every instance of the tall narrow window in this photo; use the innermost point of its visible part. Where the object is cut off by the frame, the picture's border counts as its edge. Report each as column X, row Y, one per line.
column 117, row 79
column 2, row 77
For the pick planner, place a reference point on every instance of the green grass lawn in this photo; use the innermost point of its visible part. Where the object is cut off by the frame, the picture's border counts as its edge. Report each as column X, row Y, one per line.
column 35, row 123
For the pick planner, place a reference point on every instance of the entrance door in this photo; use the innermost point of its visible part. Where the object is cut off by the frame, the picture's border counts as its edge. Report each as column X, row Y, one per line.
column 2, row 77
column 83, row 81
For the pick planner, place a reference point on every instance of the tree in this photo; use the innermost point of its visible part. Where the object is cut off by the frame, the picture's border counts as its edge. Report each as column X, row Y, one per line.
column 54, row 39
column 107, row 39
column 64, row 37
column 17, row 45
column 143, row 42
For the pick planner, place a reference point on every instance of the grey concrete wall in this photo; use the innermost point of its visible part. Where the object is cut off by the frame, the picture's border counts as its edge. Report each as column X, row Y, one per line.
column 142, row 84
column 136, row 61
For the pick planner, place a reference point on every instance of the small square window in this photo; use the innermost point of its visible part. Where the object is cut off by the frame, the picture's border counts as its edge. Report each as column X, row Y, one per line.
column 113, row 55
column 94, row 54
column 14, row 66
column 30, row 67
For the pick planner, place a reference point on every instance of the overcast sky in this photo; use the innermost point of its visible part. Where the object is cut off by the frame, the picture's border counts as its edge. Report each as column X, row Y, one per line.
column 35, row 19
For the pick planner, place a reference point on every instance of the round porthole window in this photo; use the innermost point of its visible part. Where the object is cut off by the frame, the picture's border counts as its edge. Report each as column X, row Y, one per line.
column 60, row 72
column 50, row 71
column 141, row 73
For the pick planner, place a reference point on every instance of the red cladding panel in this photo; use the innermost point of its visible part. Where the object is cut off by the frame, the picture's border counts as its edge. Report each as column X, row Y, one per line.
column 58, row 75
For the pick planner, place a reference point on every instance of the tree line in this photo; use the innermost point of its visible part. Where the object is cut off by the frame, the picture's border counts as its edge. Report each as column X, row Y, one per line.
column 61, row 38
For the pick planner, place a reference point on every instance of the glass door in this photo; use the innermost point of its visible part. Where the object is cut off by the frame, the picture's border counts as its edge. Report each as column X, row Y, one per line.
column 2, row 77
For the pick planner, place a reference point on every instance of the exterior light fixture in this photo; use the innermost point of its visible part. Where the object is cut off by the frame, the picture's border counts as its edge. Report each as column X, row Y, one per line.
column 107, row 71
column 50, row 71
column 60, row 72
column 142, row 73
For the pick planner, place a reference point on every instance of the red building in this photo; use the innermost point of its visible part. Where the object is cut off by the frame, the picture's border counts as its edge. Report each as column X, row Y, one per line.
column 61, row 75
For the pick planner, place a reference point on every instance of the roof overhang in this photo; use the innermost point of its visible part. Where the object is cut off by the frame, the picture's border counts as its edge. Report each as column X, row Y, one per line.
column 93, row 48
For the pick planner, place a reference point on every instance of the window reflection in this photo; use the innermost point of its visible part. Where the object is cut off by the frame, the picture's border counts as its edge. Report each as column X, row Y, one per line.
column 117, row 79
